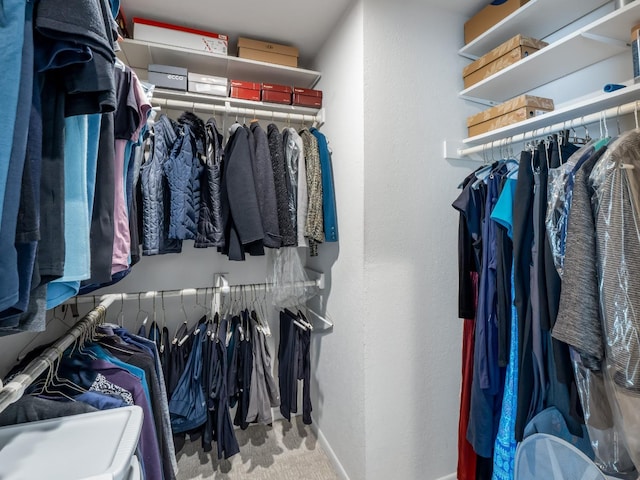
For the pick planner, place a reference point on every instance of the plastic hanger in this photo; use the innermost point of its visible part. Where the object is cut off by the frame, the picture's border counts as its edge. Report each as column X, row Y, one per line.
column 120, row 64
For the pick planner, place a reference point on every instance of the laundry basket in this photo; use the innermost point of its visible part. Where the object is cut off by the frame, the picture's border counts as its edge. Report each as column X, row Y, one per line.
column 543, row 456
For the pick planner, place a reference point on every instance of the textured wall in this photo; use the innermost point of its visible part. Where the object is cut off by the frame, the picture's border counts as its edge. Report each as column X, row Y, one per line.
column 413, row 336
column 338, row 388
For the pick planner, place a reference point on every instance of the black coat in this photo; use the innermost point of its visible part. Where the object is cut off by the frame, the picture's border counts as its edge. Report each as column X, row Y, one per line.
column 240, row 210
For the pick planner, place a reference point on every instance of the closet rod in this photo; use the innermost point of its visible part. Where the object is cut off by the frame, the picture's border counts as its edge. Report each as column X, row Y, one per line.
column 243, row 111
column 625, row 109
column 14, row 390
column 257, row 287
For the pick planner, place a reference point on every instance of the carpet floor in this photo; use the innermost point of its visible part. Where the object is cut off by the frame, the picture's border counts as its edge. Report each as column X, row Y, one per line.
column 284, row 451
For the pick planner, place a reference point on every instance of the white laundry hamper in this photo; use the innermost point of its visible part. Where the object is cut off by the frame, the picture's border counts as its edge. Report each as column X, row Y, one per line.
column 545, row 457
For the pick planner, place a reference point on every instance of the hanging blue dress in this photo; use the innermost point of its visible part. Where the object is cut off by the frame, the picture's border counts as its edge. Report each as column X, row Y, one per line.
column 505, row 445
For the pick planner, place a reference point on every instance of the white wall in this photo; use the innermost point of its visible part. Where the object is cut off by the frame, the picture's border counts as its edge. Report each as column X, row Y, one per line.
column 338, row 357
column 413, row 336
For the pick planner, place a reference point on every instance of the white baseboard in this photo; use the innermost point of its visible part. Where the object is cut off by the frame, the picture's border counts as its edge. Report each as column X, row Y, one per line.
column 330, row 453
column 453, row 476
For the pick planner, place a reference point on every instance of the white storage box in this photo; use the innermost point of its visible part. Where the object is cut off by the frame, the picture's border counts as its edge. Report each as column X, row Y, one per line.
column 208, row 84
column 168, row 34
column 81, row 447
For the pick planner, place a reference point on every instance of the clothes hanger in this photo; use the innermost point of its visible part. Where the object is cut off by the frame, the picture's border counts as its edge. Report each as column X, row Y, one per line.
column 141, row 312
column 304, row 321
column 255, row 307
column 296, row 319
column 262, row 312
column 47, row 387
column 120, row 317
column 483, row 172
column 120, row 64
column 52, row 380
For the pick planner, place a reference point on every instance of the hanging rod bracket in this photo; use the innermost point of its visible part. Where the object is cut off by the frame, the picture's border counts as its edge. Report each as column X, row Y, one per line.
column 320, row 117
column 318, row 277
column 452, row 151
column 220, row 280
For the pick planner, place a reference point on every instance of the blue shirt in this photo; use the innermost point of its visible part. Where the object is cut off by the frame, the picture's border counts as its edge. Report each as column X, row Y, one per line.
column 77, row 217
column 505, row 445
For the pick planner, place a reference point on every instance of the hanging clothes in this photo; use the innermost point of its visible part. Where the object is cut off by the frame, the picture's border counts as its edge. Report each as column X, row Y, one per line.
column 467, row 303
column 264, row 184
column 313, row 229
column 263, row 393
column 210, row 226
column 506, row 444
column 296, row 182
column 183, row 170
column 244, row 372
column 227, row 444
column 187, row 405
column 155, row 191
column 240, row 212
column 329, row 211
column 294, row 363
column 278, row 163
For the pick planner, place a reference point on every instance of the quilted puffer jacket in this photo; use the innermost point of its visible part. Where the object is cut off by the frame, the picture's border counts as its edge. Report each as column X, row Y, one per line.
column 155, row 192
column 210, row 226
column 183, row 170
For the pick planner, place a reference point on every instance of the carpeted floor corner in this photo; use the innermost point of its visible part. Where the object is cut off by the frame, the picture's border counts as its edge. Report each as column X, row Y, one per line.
column 284, row 451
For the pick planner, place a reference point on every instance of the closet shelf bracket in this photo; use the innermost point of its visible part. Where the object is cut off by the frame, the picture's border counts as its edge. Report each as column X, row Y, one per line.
column 604, row 39
column 481, row 101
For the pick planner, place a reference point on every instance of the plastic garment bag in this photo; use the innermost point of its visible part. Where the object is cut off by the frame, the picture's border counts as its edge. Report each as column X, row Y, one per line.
column 559, row 198
column 617, row 216
column 609, row 449
column 287, row 276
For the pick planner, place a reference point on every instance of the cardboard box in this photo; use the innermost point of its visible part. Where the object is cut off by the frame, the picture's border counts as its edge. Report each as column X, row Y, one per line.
column 245, row 94
column 507, row 113
column 307, row 97
column 273, row 96
column 249, row 85
column 488, row 17
column 245, row 90
column 166, row 76
column 169, row 34
column 307, row 100
column 308, row 92
column 208, row 84
column 501, row 57
column 267, row 52
column 277, row 88
column 275, row 93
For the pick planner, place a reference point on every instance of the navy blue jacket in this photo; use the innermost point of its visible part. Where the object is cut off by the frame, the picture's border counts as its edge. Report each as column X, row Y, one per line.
column 183, row 170
column 155, row 192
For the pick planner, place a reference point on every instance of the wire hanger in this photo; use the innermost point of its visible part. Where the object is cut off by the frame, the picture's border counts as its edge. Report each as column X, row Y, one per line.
column 141, row 312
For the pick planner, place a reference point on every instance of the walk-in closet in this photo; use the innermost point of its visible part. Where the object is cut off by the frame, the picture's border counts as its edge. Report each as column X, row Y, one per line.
column 355, row 240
